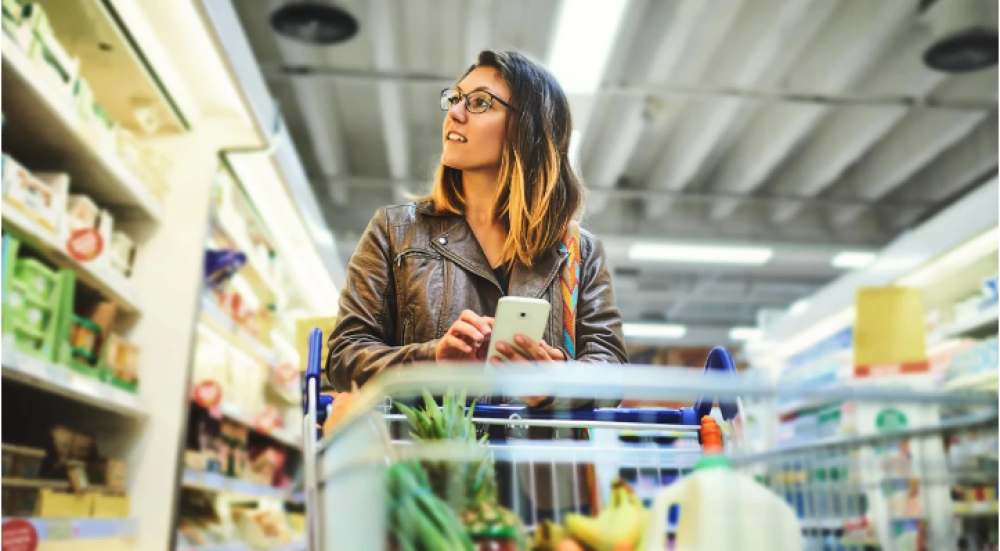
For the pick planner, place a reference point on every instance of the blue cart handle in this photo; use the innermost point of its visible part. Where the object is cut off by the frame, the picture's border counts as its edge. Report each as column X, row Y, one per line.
column 313, row 373
column 719, row 360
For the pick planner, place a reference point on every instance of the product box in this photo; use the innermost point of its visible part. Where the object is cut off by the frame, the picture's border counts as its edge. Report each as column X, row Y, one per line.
column 40, row 196
column 122, row 253
column 110, row 506
column 36, row 36
column 56, row 504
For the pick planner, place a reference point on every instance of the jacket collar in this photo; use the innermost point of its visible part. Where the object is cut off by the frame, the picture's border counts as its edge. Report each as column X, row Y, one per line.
column 459, row 244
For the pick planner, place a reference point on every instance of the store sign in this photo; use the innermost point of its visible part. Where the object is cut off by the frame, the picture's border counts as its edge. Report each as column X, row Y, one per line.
column 19, row 535
column 85, row 244
column 889, row 332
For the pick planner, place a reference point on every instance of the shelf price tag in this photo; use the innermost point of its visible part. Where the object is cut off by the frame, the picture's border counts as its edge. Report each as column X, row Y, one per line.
column 61, row 529
column 32, row 366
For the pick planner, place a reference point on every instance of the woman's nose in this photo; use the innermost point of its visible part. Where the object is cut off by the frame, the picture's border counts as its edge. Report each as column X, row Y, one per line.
column 458, row 112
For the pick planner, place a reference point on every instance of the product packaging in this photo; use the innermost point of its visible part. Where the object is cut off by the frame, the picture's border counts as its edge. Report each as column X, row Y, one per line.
column 42, row 202
column 122, row 253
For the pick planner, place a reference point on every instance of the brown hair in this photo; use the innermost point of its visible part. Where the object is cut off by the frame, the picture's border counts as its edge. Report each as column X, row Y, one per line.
column 538, row 192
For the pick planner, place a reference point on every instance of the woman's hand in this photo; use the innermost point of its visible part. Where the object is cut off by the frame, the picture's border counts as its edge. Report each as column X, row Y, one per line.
column 467, row 340
column 533, row 352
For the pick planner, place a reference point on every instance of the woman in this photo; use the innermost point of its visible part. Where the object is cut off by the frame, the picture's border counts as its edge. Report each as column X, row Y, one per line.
column 424, row 282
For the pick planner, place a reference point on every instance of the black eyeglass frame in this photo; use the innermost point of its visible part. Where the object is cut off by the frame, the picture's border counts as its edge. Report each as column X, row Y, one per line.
column 466, row 98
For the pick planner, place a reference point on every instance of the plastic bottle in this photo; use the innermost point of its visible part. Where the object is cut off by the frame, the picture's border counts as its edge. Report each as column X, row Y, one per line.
column 716, row 508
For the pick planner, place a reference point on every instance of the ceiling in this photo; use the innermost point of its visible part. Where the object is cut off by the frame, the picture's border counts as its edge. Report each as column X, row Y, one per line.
column 806, row 126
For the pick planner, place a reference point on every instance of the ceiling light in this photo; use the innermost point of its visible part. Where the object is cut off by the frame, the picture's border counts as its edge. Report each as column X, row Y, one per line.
column 654, row 330
column 700, row 254
column 849, row 260
column 314, row 22
column 744, row 334
column 584, row 37
column 798, row 307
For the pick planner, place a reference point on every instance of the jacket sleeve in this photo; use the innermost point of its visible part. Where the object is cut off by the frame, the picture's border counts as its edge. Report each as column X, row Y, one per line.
column 360, row 345
column 599, row 336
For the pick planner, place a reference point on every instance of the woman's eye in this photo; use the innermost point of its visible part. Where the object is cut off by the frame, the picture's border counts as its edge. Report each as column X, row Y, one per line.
column 480, row 103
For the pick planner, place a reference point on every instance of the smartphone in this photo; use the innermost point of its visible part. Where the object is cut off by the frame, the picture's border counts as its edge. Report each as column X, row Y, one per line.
column 517, row 316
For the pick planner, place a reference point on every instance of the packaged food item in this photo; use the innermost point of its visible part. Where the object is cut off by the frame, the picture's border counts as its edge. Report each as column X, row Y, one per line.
column 42, row 201
column 122, row 358
column 44, row 48
column 81, row 212
column 122, row 253
column 62, row 441
column 38, row 278
column 83, row 340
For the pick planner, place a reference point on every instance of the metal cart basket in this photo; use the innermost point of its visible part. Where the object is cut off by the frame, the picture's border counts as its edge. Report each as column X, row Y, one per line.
column 892, row 470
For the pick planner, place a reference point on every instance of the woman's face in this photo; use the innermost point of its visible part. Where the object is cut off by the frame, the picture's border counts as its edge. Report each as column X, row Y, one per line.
column 479, row 139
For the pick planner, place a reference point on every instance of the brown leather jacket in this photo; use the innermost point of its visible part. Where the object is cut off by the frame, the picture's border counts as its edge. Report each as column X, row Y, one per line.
column 415, row 271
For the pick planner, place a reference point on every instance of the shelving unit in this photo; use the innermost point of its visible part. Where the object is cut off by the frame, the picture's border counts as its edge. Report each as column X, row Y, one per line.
column 64, row 529
column 104, row 279
column 216, row 482
column 65, row 382
column 297, row 546
column 49, row 131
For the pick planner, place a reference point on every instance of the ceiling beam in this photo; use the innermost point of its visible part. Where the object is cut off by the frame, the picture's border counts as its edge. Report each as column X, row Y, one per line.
column 846, row 53
column 608, row 152
column 688, row 197
column 394, row 128
column 961, row 165
column 703, row 128
column 910, row 146
column 844, row 138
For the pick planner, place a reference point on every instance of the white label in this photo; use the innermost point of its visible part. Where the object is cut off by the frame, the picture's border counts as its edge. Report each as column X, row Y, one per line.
column 32, row 366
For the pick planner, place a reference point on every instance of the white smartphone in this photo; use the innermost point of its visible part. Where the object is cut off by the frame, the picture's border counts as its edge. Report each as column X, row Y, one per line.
column 517, row 316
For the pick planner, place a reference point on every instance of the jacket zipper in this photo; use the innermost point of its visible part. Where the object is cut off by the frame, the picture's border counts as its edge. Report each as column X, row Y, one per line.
column 416, row 253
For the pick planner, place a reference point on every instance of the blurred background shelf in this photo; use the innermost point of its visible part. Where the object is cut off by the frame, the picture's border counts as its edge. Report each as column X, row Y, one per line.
column 63, row 381
column 51, row 529
column 102, row 278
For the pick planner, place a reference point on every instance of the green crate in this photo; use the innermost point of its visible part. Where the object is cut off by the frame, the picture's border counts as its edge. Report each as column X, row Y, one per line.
column 39, row 278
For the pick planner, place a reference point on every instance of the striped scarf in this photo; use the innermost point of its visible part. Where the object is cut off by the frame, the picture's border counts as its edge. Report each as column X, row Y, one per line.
column 569, row 283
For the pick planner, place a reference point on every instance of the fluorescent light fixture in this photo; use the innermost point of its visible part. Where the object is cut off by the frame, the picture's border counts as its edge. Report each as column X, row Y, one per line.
column 707, row 254
column 850, row 260
column 654, row 330
column 744, row 334
column 798, row 307
column 585, row 35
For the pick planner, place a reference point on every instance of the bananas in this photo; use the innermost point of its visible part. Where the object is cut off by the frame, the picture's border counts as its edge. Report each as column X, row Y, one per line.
column 547, row 536
column 621, row 524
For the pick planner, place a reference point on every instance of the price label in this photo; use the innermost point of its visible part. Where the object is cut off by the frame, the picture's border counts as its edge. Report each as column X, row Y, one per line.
column 55, row 373
column 32, row 366
column 60, row 529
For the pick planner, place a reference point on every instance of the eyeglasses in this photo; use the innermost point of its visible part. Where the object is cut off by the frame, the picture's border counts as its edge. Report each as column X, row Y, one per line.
column 475, row 102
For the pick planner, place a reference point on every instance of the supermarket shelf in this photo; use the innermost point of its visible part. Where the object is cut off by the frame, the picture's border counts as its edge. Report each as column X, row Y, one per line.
column 103, row 278
column 219, row 483
column 294, row 546
column 9, row 482
column 58, row 529
column 969, row 324
column 216, row 319
column 233, row 412
column 821, row 524
column 65, row 382
column 47, row 131
column 986, row 380
column 860, row 542
column 982, row 508
column 256, row 275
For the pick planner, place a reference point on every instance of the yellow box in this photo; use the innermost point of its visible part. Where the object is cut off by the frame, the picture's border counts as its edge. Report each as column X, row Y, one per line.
column 106, row 506
column 53, row 504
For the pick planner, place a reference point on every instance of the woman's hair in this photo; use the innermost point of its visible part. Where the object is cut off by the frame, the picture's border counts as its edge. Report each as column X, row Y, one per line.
column 537, row 193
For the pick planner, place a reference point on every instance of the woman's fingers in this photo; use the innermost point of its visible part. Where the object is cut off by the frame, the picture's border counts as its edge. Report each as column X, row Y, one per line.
column 468, row 332
column 483, row 324
column 456, row 343
column 554, row 353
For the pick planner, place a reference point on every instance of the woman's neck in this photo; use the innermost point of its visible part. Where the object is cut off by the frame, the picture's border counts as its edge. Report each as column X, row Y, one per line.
column 479, row 189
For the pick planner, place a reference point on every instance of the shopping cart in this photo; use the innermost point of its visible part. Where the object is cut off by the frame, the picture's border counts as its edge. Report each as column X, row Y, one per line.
column 892, row 475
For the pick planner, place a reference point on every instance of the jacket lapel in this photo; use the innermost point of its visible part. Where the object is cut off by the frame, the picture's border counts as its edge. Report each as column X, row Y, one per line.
column 458, row 244
column 534, row 281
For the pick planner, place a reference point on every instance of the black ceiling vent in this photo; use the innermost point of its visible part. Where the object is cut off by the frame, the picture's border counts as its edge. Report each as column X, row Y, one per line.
column 970, row 50
column 314, row 23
